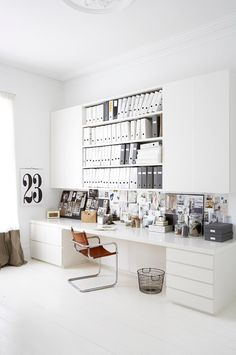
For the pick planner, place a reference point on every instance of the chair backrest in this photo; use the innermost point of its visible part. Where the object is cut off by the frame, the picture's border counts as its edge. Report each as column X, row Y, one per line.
column 79, row 237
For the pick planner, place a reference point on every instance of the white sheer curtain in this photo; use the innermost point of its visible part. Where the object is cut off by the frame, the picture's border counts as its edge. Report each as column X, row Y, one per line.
column 8, row 188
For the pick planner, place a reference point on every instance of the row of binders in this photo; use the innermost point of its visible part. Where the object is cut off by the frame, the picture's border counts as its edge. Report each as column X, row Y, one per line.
column 145, row 177
column 125, row 131
column 121, row 154
column 125, row 107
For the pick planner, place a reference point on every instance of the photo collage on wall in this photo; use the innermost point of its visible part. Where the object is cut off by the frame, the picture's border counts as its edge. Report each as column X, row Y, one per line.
column 72, row 203
column 147, row 205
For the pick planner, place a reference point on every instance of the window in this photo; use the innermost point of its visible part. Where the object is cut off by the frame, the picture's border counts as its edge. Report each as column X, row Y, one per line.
column 8, row 188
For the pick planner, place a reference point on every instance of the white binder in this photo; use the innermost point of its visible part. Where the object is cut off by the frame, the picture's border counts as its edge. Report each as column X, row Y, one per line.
column 117, row 156
column 108, row 152
column 135, row 108
column 127, row 177
column 120, row 178
column 144, row 105
column 149, row 101
column 111, row 180
column 99, row 157
column 113, row 148
column 103, row 130
column 86, row 135
column 109, row 133
column 138, row 130
column 89, row 115
column 84, row 157
column 126, row 131
column 101, row 112
column 107, row 177
column 123, row 107
column 119, row 108
column 146, row 128
column 152, row 105
column 132, row 101
column 133, row 178
column 94, row 114
column 97, row 135
column 158, row 102
column 93, row 136
column 118, row 132
column 122, row 130
column 127, row 106
column 113, row 133
column 140, row 103
column 123, row 181
column 133, row 130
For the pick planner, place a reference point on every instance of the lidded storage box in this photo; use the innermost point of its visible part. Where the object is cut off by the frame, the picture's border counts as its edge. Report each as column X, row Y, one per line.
column 218, row 232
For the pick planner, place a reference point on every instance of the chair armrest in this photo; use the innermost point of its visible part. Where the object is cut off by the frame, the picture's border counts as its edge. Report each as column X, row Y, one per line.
column 95, row 237
column 79, row 246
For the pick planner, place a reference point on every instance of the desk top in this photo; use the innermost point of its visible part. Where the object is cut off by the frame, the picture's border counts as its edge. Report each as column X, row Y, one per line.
column 142, row 235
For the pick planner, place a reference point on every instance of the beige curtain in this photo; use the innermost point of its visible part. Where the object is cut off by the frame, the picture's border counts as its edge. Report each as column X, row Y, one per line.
column 11, row 252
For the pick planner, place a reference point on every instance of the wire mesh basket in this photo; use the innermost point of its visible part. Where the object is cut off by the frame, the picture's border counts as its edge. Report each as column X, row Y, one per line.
column 150, row 280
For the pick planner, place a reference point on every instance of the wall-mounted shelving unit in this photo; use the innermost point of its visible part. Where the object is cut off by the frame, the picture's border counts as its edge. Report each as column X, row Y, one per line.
column 127, row 130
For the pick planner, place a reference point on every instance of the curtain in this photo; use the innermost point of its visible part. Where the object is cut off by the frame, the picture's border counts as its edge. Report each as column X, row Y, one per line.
column 8, row 189
column 11, row 252
column 10, row 248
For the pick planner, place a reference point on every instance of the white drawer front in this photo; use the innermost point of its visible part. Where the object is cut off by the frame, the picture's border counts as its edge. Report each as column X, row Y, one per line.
column 189, row 300
column 191, row 258
column 194, row 287
column 189, row 272
column 50, row 253
column 46, row 234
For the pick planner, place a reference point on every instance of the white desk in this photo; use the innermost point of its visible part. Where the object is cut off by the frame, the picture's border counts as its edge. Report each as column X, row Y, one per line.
column 199, row 274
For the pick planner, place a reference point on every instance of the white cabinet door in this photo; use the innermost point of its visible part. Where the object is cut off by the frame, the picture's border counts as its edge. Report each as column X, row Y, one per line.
column 66, row 148
column 196, row 134
column 211, row 133
column 178, row 133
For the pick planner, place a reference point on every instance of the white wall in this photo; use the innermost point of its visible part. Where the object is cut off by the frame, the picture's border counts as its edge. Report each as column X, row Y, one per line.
column 190, row 59
column 36, row 97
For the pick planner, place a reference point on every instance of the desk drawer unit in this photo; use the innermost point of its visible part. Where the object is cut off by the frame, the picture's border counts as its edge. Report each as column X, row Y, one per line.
column 190, row 279
column 46, row 234
column 46, row 243
column 46, row 252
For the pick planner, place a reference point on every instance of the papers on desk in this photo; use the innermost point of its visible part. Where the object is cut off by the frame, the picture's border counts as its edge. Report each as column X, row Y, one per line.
column 105, row 228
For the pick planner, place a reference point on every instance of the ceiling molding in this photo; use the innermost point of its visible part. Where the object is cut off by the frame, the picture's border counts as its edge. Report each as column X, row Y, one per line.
column 220, row 28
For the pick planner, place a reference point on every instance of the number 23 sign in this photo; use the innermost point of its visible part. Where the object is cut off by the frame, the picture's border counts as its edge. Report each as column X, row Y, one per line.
column 31, row 186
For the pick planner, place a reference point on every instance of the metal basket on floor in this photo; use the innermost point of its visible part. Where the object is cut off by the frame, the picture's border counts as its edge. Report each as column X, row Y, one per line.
column 150, row 280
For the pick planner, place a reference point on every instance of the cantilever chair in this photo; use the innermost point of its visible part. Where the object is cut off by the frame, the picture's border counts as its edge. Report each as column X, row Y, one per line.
column 94, row 252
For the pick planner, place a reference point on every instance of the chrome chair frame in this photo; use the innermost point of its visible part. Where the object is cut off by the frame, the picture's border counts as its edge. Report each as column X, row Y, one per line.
column 79, row 247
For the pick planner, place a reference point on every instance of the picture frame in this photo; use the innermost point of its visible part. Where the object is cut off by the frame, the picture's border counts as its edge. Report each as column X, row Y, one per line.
column 72, row 203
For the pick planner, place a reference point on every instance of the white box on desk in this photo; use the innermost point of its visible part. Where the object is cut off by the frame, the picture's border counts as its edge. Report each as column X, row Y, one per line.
column 160, row 229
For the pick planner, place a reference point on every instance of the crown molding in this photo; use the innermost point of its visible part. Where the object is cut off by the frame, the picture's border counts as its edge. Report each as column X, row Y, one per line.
column 218, row 29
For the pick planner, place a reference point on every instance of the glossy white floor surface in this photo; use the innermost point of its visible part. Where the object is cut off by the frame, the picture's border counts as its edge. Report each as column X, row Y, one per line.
column 41, row 314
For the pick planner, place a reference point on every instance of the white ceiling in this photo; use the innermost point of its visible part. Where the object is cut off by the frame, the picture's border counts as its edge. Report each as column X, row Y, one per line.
column 49, row 38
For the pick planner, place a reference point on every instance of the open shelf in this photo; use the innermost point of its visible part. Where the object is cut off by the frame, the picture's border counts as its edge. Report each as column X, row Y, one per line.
column 147, row 140
column 104, row 123
column 120, row 189
column 121, row 166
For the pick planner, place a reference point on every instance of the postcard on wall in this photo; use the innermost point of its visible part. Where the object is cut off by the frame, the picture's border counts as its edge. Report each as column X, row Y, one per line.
column 132, row 196
column 114, row 196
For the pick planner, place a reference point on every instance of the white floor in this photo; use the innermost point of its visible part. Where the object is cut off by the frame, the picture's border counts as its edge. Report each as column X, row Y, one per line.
column 41, row 314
